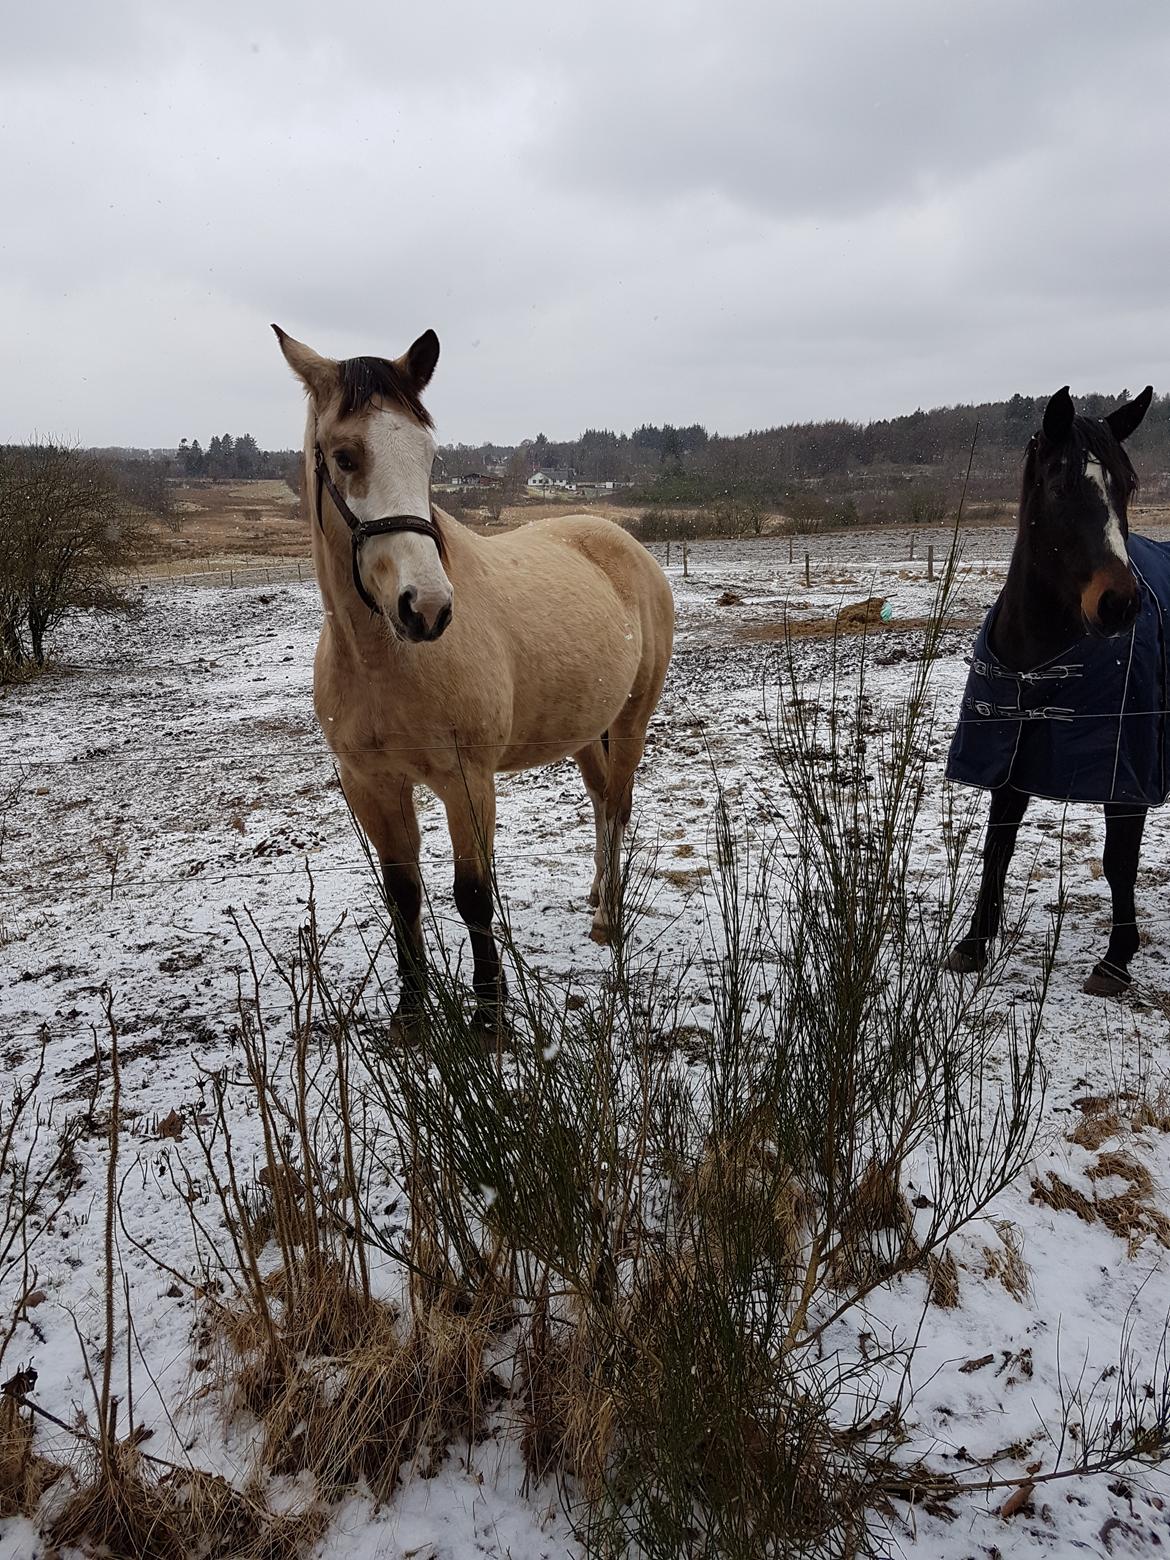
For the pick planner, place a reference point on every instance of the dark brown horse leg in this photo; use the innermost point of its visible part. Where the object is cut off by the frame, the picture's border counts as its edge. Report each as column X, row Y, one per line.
column 1007, row 810
column 1123, row 843
column 391, row 824
column 625, row 743
column 471, row 818
column 593, row 762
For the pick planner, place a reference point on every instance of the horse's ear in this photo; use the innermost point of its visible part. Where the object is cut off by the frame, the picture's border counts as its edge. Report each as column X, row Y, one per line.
column 1126, row 419
column 1058, row 417
column 318, row 374
column 417, row 363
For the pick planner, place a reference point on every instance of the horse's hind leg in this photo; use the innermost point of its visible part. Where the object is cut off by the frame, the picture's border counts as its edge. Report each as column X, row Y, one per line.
column 390, row 822
column 1003, row 823
column 471, row 819
column 1123, row 843
column 624, row 747
column 593, row 762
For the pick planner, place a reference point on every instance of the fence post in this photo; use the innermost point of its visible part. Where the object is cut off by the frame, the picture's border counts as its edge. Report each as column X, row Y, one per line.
column 231, row 576
column 685, row 574
column 668, row 552
column 930, row 563
column 913, row 539
column 790, row 549
column 807, row 572
column 298, row 569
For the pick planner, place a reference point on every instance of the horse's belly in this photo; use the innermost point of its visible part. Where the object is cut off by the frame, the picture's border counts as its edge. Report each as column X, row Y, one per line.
column 560, row 705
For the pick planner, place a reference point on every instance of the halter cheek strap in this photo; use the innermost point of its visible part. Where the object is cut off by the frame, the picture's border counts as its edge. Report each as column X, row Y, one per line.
column 362, row 530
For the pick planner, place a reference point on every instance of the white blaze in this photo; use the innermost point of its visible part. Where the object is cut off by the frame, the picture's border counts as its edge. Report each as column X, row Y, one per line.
column 1114, row 539
column 400, row 454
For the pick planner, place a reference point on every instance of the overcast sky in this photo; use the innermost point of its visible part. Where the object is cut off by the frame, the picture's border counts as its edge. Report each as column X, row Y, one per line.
column 734, row 213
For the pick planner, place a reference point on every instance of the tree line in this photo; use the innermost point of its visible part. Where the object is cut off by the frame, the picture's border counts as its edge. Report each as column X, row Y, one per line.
column 680, row 464
column 237, row 457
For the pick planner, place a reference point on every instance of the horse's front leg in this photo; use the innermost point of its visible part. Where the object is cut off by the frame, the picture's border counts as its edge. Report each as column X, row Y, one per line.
column 1123, row 843
column 386, row 814
column 1003, row 823
column 471, row 819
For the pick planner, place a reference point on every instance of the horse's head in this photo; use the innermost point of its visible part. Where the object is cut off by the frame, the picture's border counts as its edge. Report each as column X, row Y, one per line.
column 1077, row 485
column 371, row 440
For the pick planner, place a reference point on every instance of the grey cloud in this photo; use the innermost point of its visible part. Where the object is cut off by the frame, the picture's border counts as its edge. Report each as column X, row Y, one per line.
column 741, row 214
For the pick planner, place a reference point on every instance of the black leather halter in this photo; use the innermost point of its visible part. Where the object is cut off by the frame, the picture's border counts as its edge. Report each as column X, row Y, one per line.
column 362, row 530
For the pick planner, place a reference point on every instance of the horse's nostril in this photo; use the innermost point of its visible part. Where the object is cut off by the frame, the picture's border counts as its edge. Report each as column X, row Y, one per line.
column 1116, row 610
column 406, row 605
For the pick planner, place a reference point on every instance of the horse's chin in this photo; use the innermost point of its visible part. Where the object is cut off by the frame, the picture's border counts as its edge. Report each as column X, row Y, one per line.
column 402, row 634
column 1095, row 631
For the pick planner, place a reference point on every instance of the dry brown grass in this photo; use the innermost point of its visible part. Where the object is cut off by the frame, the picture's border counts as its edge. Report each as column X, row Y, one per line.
column 230, row 522
column 24, row 1474
column 126, row 1507
column 942, row 1276
column 1006, row 1262
column 739, row 1185
column 567, row 1410
column 1132, row 1215
column 1104, row 1116
column 832, row 628
column 342, row 1387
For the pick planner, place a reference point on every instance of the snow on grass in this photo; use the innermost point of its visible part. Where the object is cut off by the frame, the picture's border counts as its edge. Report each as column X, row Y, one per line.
column 169, row 773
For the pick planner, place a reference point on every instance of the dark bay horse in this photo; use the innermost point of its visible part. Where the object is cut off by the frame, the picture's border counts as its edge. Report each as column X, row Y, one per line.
column 1067, row 695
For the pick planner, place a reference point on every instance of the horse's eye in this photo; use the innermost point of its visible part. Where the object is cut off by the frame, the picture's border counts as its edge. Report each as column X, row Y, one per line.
column 345, row 462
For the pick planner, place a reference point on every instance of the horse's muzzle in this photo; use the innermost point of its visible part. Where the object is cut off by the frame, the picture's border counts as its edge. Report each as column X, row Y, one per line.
column 1116, row 613
column 420, row 627
column 1110, row 602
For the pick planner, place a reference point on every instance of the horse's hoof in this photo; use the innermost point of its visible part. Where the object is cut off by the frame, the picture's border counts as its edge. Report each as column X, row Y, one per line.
column 963, row 961
column 489, row 1023
column 600, row 933
column 406, row 1025
column 1107, row 980
column 594, row 898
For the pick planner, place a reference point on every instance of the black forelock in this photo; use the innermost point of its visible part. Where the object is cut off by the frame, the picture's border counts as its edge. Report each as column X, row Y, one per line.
column 1093, row 436
column 363, row 378
column 1088, row 436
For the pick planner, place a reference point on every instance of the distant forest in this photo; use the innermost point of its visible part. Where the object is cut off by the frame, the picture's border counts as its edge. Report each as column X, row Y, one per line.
column 906, row 468
column 925, row 451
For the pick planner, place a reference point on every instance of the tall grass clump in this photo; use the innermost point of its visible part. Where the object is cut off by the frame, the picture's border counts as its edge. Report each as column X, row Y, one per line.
column 686, row 1244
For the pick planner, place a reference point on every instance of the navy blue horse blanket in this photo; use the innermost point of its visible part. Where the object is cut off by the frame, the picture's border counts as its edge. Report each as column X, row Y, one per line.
column 1090, row 725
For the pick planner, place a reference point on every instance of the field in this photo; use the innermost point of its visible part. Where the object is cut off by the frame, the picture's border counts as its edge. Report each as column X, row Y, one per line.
column 165, row 786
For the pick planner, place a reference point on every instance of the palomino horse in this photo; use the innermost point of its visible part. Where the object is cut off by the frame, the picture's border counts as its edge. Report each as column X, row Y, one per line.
column 446, row 658
column 1067, row 695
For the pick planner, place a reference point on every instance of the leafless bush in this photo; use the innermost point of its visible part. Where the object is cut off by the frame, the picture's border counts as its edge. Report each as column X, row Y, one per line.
column 65, row 526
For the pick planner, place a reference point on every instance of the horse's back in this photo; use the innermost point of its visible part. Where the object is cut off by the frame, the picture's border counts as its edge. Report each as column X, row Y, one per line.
column 621, row 562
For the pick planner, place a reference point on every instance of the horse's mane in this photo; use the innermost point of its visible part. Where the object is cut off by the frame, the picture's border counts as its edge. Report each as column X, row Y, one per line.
column 1089, row 436
column 363, row 378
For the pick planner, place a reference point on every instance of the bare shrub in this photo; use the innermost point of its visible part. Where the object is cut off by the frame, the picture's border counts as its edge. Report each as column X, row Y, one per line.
column 66, row 525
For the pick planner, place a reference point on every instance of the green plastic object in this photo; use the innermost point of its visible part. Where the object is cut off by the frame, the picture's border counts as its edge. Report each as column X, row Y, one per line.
column 887, row 613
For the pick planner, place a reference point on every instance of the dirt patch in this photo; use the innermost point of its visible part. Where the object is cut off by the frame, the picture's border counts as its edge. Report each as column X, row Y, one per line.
column 833, row 627
column 231, row 520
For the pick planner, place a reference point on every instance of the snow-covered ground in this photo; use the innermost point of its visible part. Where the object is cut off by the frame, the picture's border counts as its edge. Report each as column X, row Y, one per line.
column 170, row 771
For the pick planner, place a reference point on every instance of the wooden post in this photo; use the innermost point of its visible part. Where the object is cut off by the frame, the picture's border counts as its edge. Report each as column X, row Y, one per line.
column 668, row 552
column 930, row 563
column 685, row 573
column 299, row 576
column 790, row 549
column 807, row 572
column 913, row 539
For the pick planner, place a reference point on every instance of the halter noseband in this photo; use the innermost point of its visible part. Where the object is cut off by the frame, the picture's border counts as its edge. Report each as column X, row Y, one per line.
column 362, row 530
